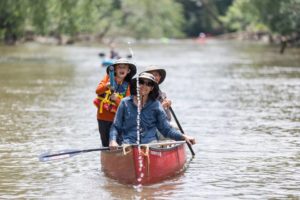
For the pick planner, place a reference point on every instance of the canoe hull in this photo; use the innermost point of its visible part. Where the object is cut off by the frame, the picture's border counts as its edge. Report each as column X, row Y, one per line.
column 157, row 164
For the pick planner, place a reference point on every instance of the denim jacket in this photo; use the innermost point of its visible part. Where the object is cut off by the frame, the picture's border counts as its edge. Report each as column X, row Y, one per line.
column 152, row 116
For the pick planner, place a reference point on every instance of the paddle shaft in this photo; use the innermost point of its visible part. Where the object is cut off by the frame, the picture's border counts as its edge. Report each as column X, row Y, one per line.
column 75, row 152
column 67, row 153
column 180, row 128
column 111, row 70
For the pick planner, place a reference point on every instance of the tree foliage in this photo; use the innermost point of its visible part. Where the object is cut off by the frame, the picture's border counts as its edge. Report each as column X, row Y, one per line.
column 280, row 16
column 203, row 16
column 12, row 19
column 134, row 18
column 146, row 18
column 151, row 19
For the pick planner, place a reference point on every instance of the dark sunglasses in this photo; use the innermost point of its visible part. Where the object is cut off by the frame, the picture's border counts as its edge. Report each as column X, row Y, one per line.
column 147, row 83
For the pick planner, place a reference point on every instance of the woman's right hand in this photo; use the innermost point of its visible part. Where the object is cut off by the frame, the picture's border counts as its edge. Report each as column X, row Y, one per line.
column 166, row 103
column 113, row 145
column 189, row 139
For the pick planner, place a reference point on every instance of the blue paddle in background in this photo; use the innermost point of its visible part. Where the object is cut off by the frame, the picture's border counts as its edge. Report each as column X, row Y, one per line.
column 111, row 70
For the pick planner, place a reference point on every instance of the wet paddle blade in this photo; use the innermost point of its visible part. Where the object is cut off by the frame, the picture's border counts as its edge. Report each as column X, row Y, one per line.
column 58, row 155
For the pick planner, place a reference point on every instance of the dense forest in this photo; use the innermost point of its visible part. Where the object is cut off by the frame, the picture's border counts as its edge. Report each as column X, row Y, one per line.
column 22, row 20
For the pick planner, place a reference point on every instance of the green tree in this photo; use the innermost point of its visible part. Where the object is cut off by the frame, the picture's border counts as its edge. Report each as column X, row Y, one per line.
column 12, row 19
column 38, row 16
column 114, row 18
column 203, row 16
column 243, row 15
column 280, row 16
column 150, row 19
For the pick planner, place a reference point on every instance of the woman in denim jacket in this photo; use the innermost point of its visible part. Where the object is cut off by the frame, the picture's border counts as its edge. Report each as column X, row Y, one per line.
column 152, row 116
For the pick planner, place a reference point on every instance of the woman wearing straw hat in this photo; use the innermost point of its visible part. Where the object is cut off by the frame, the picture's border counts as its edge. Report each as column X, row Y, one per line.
column 109, row 96
column 152, row 116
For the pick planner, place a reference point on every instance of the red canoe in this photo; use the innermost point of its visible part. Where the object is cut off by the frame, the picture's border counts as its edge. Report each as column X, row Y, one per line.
column 159, row 162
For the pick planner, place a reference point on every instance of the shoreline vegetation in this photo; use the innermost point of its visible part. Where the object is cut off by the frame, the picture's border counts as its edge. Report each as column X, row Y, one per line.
column 281, row 41
column 258, row 37
column 71, row 21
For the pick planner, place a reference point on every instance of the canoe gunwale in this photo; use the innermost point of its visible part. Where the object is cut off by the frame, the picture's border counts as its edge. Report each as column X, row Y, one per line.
column 161, row 147
column 165, row 148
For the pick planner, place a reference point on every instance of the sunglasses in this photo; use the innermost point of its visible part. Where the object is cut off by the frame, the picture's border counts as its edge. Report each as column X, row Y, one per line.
column 147, row 83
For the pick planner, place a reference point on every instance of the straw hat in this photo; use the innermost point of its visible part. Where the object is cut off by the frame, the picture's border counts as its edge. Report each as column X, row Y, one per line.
column 132, row 67
column 144, row 75
column 161, row 71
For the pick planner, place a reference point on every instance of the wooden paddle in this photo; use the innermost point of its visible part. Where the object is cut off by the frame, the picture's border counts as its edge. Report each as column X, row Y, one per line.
column 67, row 153
column 180, row 128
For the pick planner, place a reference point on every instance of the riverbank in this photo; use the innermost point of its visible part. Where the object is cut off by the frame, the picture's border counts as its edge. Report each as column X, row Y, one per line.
column 282, row 42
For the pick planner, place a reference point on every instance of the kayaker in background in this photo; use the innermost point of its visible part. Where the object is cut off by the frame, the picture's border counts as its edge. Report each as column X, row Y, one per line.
column 113, row 54
column 160, row 75
column 112, row 88
column 152, row 116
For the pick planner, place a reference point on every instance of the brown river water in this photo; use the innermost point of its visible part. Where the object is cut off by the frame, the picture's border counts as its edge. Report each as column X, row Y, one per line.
column 240, row 101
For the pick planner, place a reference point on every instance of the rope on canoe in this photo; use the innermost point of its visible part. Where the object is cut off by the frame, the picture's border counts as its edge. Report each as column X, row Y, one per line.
column 126, row 146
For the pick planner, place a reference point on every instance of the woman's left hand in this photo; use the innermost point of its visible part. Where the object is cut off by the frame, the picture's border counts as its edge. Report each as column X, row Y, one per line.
column 113, row 145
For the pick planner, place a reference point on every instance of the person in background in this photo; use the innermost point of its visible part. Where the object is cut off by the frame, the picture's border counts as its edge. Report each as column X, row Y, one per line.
column 160, row 75
column 109, row 97
column 152, row 116
column 113, row 54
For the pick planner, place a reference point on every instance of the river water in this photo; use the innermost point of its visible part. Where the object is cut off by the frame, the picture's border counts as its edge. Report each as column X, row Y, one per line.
column 239, row 100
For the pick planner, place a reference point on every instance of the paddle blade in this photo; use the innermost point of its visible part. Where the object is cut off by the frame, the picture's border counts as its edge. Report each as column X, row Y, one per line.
column 58, row 155
column 45, row 159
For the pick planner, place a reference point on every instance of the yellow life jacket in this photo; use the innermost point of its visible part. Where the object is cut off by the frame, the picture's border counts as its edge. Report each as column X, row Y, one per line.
column 106, row 103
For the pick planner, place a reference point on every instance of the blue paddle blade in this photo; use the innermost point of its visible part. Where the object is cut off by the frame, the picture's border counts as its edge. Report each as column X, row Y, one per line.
column 58, row 155
column 106, row 63
column 45, row 159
